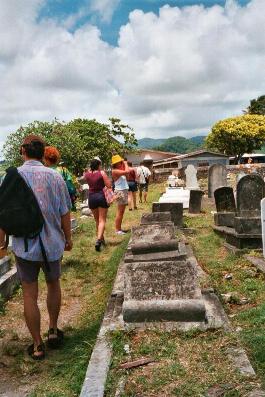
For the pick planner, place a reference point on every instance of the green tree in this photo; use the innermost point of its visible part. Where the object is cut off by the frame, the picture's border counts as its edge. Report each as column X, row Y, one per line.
column 257, row 106
column 179, row 144
column 78, row 141
column 238, row 135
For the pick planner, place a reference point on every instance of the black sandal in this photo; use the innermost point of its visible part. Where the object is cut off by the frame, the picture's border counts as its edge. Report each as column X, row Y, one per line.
column 40, row 349
column 56, row 341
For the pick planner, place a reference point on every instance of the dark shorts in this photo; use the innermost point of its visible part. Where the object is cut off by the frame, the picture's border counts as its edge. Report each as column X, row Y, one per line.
column 28, row 271
column 143, row 187
column 133, row 187
column 96, row 200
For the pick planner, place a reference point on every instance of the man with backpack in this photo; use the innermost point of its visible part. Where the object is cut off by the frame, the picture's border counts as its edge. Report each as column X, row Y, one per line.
column 143, row 176
column 41, row 246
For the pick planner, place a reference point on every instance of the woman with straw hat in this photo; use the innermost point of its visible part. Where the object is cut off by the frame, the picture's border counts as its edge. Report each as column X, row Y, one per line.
column 120, row 170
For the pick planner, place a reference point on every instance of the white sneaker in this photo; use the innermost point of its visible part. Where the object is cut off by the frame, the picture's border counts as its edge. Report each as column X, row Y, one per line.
column 120, row 232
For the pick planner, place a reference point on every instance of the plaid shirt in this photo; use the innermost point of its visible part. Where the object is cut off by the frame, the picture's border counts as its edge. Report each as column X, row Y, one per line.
column 54, row 201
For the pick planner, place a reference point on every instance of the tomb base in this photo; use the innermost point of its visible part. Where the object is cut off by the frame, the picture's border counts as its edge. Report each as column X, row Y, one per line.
column 248, row 225
column 135, row 311
column 224, row 219
column 240, row 241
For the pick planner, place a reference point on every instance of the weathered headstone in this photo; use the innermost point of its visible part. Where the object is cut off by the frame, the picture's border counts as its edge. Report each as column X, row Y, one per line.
column 162, row 291
column 250, row 192
column 153, row 232
column 191, row 177
column 217, row 177
column 8, row 277
column 156, row 217
column 195, row 201
column 225, row 206
column 176, row 210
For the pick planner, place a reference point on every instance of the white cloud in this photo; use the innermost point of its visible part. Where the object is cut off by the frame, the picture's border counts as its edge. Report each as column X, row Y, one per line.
column 105, row 8
column 173, row 73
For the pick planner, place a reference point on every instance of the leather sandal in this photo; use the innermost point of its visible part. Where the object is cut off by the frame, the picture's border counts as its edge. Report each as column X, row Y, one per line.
column 32, row 350
column 55, row 338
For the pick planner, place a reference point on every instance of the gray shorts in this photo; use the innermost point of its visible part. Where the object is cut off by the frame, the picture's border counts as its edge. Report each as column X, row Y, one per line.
column 28, row 271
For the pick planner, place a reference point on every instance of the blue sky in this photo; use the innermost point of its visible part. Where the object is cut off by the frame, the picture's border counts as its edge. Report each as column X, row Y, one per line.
column 61, row 9
column 176, row 71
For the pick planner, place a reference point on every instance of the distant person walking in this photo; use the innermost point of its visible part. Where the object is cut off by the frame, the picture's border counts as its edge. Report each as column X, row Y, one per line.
column 133, row 188
column 51, row 159
column 120, row 171
column 143, row 174
column 97, row 180
column 54, row 203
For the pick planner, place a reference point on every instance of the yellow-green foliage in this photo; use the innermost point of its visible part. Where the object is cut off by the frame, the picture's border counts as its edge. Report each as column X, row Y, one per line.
column 238, row 135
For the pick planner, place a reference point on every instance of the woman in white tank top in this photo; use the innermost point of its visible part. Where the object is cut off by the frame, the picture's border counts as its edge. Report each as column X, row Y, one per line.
column 119, row 171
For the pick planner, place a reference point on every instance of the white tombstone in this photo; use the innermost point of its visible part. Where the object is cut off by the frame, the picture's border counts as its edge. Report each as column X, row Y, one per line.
column 191, row 178
column 262, row 205
column 176, row 195
column 171, row 181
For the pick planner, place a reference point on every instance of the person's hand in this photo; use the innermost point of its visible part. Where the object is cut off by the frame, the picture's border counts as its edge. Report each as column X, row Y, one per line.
column 68, row 245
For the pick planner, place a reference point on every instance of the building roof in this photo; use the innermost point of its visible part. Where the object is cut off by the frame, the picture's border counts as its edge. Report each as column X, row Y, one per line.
column 188, row 155
column 156, row 151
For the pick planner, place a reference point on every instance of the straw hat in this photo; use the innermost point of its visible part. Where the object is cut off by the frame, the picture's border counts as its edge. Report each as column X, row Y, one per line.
column 116, row 159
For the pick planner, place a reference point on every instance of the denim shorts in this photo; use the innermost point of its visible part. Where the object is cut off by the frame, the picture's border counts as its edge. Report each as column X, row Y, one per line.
column 28, row 271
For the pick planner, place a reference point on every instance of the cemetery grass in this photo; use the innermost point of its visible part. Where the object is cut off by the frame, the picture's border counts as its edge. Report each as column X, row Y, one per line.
column 87, row 280
column 189, row 364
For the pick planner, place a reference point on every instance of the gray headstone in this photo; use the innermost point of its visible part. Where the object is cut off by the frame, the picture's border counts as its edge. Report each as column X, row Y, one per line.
column 217, row 177
column 176, row 210
column 151, row 233
column 157, row 291
column 250, row 192
column 195, row 203
column 191, row 177
column 224, row 199
column 156, row 217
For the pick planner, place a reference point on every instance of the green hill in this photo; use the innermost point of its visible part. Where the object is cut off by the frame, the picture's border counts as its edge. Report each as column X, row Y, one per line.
column 176, row 144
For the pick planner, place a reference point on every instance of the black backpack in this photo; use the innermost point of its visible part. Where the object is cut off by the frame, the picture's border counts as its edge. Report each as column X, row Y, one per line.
column 20, row 213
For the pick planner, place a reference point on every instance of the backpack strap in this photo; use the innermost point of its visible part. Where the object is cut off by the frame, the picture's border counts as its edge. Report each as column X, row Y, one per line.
column 44, row 255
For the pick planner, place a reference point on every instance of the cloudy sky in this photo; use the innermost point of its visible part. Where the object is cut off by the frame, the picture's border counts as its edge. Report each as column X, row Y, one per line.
column 164, row 67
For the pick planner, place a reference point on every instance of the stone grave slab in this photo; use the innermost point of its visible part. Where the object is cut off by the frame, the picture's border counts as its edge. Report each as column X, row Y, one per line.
column 176, row 195
column 191, row 177
column 151, row 233
column 5, row 265
column 195, row 203
column 156, row 217
column 176, row 210
column 162, row 291
column 217, row 177
column 225, row 206
column 154, row 246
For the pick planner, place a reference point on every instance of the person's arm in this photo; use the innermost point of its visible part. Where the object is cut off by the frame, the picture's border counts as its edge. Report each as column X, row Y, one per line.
column 106, row 180
column 66, row 226
column 117, row 173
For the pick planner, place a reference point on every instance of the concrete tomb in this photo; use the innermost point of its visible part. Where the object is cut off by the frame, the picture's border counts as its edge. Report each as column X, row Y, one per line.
column 195, row 203
column 217, row 177
column 225, row 206
column 8, row 277
column 176, row 210
column 162, row 291
column 191, row 177
column 176, row 195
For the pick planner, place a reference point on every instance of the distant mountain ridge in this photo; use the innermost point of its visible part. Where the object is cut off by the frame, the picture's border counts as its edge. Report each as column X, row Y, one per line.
column 176, row 144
